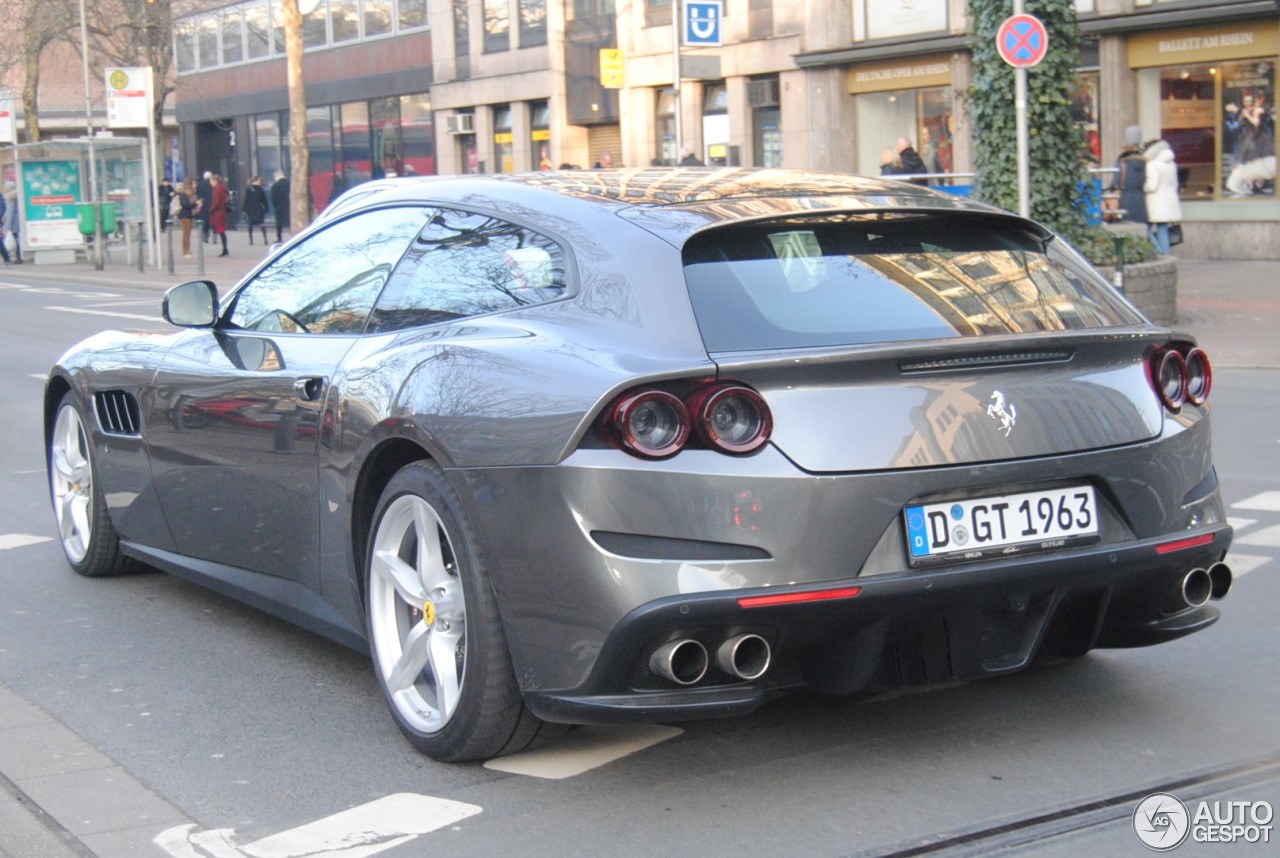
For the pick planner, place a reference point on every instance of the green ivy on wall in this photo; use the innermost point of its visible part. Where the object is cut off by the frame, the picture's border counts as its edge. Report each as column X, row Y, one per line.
column 1059, row 179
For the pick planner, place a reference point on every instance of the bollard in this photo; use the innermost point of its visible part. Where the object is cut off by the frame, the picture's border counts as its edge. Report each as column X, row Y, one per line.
column 199, row 244
column 1119, row 275
column 173, row 224
column 141, row 230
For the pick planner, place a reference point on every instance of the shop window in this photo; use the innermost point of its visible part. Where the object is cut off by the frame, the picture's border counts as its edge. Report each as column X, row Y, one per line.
column 1248, row 129
column 354, row 165
column 923, row 116
column 540, row 133
column 417, row 135
column 503, row 151
column 388, row 153
column 665, row 127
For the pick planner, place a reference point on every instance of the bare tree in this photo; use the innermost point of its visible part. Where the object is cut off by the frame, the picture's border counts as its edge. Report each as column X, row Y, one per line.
column 299, row 155
column 43, row 23
column 135, row 33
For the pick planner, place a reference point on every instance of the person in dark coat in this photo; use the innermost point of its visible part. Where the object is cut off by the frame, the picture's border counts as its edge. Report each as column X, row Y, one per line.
column 1131, row 172
column 280, row 204
column 903, row 160
column 204, row 190
column 218, row 211
column 164, row 200
column 255, row 207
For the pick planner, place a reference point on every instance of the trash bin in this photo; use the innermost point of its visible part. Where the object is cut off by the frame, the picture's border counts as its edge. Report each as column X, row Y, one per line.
column 84, row 217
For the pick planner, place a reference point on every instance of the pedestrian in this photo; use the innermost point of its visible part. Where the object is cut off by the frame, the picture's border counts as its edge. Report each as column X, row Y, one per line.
column 254, row 207
column 221, row 202
column 903, row 160
column 190, row 205
column 1161, row 187
column 14, row 215
column 280, row 204
column 164, row 201
column 1131, row 176
column 204, row 190
column 688, row 159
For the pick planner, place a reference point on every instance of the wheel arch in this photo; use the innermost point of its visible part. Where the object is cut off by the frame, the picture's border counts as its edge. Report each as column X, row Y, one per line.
column 382, row 463
column 54, row 390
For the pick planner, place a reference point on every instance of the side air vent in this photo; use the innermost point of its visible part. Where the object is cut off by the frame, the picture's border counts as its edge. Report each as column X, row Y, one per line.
column 118, row 412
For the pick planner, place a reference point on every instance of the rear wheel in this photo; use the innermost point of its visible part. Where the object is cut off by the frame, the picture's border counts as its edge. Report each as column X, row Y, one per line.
column 88, row 537
column 437, row 642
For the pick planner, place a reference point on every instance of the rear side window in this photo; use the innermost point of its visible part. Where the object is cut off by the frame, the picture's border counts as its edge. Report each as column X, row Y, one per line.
column 874, row 278
column 463, row 264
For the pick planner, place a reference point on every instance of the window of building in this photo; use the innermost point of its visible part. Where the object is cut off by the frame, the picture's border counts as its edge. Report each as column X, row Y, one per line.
column 207, row 42
column 257, row 31
column 320, row 147
column 1220, row 121
column 760, row 19
column 232, row 36
column 533, row 22
column 355, row 165
column 270, row 156
column 715, row 125
column 315, row 26
column 417, row 135
column 923, row 116
column 540, row 133
column 657, row 13
column 503, row 150
column 184, row 45
column 412, row 14
column 377, row 18
column 664, row 125
column 497, row 26
column 580, row 10
column 344, row 16
column 465, row 264
column 384, row 126
column 764, row 97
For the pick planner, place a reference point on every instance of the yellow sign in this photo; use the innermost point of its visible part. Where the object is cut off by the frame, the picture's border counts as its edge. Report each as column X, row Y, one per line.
column 502, row 137
column 612, row 68
column 541, row 134
column 1205, row 44
column 907, row 73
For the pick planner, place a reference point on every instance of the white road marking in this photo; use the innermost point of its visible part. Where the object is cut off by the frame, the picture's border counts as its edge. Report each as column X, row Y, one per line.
column 40, row 376
column 1269, row 501
column 1268, row 537
column 584, row 749
column 366, row 830
column 1240, row 523
column 152, row 318
column 19, row 540
column 58, row 290
column 1243, row 564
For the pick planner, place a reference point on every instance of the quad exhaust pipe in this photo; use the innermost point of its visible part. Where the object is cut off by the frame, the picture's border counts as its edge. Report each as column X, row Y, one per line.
column 685, row 661
column 1220, row 579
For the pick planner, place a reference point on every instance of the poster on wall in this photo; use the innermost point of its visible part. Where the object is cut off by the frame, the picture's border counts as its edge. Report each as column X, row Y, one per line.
column 50, row 190
column 905, row 17
column 1249, row 129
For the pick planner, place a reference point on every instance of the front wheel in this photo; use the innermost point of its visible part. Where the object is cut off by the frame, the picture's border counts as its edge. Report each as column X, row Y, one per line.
column 437, row 642
column 88, row 537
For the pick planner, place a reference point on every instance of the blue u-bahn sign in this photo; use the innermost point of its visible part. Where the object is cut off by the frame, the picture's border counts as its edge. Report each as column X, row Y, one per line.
column 702, row 23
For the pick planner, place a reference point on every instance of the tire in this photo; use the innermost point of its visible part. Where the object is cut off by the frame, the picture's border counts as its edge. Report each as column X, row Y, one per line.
column 435, row 636
column 89, row 539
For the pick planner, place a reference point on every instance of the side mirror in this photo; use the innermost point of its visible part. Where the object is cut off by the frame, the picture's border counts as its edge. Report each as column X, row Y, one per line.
column 191, row 305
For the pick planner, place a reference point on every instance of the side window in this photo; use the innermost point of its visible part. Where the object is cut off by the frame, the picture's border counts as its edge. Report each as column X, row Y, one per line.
column 464, row 264
column 329, row 282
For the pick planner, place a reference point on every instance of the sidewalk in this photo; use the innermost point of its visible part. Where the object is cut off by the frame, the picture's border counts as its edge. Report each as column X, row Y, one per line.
column 1232, row 307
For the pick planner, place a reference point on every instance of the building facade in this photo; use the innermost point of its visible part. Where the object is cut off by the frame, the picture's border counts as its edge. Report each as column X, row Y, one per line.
column 456, row 86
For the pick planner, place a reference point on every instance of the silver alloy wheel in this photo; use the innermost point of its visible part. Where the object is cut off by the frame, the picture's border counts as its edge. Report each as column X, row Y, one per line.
column 417, row 614
column 71, row 481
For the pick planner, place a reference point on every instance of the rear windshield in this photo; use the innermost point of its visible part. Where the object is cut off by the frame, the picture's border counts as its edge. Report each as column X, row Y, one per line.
column 874, row 278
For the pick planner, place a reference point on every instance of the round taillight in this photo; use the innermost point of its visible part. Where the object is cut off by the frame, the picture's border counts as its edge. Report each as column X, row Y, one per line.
column 732, row 418
column 1171, row 379
column 1199, row 376
column 651, row 423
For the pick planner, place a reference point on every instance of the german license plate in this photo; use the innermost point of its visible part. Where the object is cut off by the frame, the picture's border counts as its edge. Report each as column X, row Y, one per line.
column 1003, row 524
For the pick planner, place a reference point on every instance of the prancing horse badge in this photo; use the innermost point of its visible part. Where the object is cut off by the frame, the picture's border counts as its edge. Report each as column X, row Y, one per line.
column 1005, row 412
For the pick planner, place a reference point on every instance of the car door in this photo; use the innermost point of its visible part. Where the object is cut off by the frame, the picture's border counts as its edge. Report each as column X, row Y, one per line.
column 237, row 417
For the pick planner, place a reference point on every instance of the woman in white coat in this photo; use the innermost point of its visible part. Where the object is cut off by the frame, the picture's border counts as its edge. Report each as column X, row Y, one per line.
column 1161, row 187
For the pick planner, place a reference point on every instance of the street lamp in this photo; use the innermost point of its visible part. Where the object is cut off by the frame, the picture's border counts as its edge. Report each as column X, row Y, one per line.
column 93, row 155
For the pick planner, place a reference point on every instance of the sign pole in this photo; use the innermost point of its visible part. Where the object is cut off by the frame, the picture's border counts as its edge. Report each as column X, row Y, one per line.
column 1020, row 119
column 1022, row 42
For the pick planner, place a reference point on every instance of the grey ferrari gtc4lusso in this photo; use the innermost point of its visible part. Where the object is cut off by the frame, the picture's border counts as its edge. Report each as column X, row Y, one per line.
column 594, row 447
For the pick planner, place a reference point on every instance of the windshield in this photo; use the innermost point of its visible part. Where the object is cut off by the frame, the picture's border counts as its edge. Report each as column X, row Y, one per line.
column 871, row 278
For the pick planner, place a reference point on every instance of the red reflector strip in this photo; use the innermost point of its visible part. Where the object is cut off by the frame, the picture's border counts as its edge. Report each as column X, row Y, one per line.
column 793, row 598
column 1183, row 544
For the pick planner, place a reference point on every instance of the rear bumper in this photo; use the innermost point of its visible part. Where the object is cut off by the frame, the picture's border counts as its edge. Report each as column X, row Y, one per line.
column 960, row 622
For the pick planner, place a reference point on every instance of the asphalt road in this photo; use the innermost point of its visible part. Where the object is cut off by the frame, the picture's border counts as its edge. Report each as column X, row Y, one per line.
column 143, row 705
